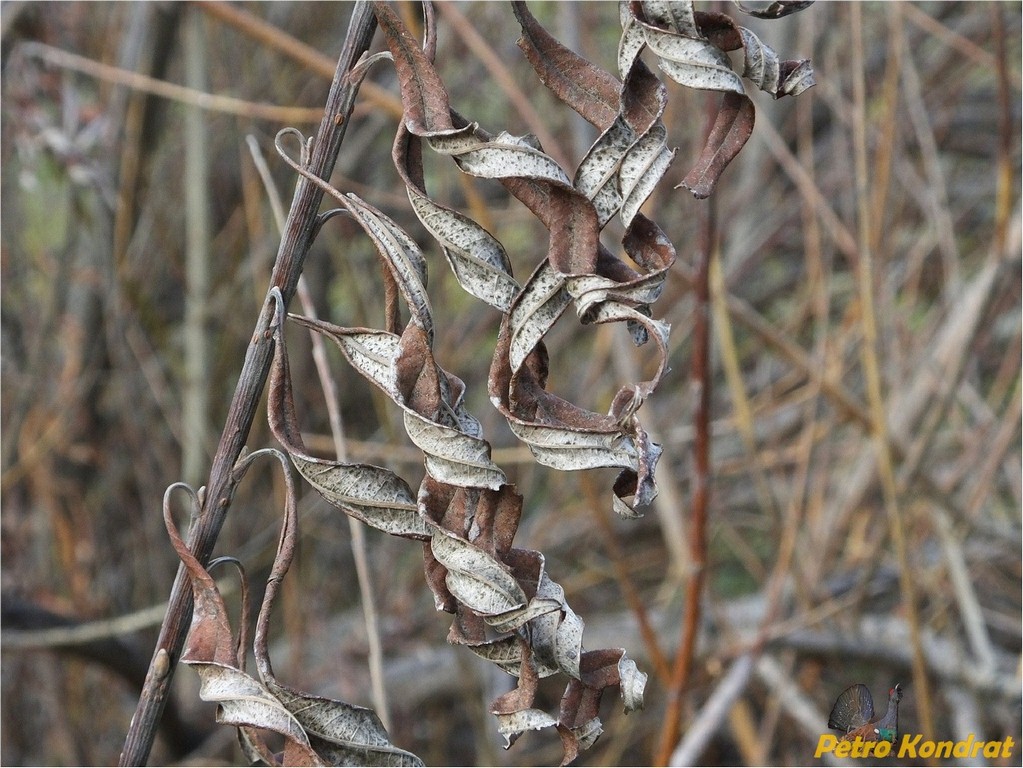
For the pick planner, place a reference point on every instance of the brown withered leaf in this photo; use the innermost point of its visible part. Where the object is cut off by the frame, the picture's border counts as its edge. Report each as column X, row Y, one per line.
column 316, row 731
column 732, row 129
column 589, row 90
column 425, row 108
column 209, row 638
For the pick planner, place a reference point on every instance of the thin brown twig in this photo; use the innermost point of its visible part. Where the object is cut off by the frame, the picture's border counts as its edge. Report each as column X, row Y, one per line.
column 299, row 232
column 701, row 379
column 210, row 101
column 276, row 38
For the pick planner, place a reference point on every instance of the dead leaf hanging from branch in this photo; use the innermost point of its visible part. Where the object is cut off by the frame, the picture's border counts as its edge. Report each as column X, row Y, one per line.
column 316, row 730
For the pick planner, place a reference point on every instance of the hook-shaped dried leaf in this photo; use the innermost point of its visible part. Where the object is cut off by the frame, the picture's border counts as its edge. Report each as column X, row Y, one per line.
column 209, row 638
column 317, row 730
column 282, row 559
column 732, row 129
column 241, row 647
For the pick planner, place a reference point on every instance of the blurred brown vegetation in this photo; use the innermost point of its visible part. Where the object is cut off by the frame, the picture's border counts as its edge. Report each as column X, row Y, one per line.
column 100, row 308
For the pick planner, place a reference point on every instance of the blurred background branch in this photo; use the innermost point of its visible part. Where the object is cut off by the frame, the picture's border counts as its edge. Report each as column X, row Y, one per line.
column 802, row 596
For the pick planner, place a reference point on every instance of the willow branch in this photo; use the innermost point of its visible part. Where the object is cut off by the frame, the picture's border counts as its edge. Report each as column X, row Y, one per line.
column 298, row 234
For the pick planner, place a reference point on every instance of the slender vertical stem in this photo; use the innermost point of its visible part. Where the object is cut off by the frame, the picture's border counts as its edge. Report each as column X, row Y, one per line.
column 701, row 382
column 298, row 234
column 195, row 405
column 872, row 376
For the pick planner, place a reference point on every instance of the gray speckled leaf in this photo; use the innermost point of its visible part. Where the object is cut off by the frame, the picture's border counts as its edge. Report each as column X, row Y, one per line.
column 374, row 495
column 631, row 43
column 344, row 734
column 476, row 579
column 505, row 156
column 505, row 652
column 674, row 14
column 761, row 62
column 590, row 292
column 512, row 724
column 693, row 62
column 633, row 683
column 245, row 702
column 541, row 303
column 597, row 176
column 477, row 259
column 588, row 733
column 455, row 456
column 574, row 448
column 403, row 254
column 370, row 352
column 557, row 637
column 642, row 169
column 452, row 456
column 512, row 620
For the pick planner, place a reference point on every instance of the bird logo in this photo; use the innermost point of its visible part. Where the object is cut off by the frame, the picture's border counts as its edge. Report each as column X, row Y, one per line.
column 853, row 715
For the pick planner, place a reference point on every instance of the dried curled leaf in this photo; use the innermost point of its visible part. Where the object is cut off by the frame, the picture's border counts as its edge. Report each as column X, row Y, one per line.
column 477, row 580
column 732, row 128
column 244, row 702
column 372, row 494
column 691, row 47
column 477, row 259
column 316, row 730
column 769, row 73
column 683, row 52
column 342, row 734
column 588, row 89
column 453, row 453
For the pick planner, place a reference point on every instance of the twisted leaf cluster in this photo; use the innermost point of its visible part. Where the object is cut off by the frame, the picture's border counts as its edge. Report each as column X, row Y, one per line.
column 316, row 730
column 506, row 607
